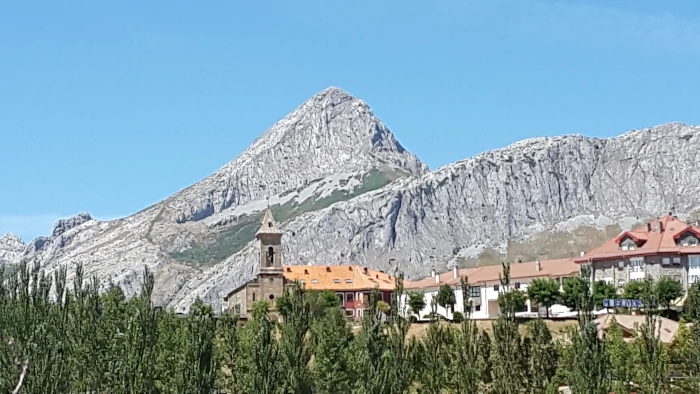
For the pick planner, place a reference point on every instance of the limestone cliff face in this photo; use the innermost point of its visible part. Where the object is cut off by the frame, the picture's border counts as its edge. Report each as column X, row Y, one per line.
column 528, row 187
column 346, row 192
column 11, row 248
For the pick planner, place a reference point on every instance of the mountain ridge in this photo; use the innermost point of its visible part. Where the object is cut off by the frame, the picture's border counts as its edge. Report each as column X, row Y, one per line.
column 352, row 194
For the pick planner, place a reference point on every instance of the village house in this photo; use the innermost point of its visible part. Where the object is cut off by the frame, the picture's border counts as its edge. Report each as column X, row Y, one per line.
column 352, row 284
column 666, row 246
column 485, row 286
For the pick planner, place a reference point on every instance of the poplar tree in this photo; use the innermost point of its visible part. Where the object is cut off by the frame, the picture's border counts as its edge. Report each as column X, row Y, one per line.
column 508, row 353
column 621, row 362
column 260, row 369
column 295, row 350
column 543, row 359
column 228, row 352
column 652, row 354
column 589, row 361
column 331, row 340
column 468, row 368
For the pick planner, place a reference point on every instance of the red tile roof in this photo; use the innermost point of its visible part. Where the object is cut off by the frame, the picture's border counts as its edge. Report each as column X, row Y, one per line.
column 486, row 275
column 339, row 277
column 650, row 239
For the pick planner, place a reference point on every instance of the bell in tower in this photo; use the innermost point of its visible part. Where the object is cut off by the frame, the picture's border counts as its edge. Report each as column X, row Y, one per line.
column 270, row 238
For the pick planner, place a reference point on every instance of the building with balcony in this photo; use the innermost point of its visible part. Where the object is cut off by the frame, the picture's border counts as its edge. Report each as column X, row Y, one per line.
column 666, row 246
column 485, row 286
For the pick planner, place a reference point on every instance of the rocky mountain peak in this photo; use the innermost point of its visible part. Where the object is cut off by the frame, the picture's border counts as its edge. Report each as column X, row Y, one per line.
column 63, row 225
column 11, row 247
column 332, row 132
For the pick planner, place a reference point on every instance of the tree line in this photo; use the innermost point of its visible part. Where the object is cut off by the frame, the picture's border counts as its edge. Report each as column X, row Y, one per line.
column 73, row 339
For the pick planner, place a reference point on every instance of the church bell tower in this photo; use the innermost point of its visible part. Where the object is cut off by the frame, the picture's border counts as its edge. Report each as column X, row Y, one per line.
column 270, row 240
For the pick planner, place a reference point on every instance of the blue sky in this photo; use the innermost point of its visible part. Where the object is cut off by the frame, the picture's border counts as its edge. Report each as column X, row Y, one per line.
column 108, row 108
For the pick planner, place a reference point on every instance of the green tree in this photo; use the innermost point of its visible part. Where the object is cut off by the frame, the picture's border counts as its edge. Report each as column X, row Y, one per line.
column 259, row 366
column 331, row 338
column 685, row 358
column 588, row 356
column 543, row 358
column 633, row 290
column 544, row 291
column 667, row 290
column 509, row 353
column 468, row 366
column 435, row 372
column 571, row 293
column 691, row 305
column 402, row 352
column 651, row 354
column 603, row 290
column 369, row 352
column 228, row 351
column 295, row 351
column 621, row 362
column 416, row 302
column 446, row 297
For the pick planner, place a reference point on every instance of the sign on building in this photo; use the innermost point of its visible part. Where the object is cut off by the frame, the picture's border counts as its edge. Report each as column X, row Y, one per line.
column 622, row 303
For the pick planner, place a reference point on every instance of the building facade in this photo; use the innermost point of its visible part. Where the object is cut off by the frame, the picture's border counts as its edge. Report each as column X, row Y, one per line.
column 666, row 246
column 485, row 287
column 351, row 284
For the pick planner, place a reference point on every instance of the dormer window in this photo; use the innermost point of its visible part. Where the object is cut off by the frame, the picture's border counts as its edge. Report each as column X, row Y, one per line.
column 688, row 238
column 628, row 243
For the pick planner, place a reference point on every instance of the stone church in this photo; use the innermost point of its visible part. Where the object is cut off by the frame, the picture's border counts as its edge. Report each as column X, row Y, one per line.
column 269, row 282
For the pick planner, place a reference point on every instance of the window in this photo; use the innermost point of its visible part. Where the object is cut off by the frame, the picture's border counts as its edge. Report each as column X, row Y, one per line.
column 693, row 279
column 253, row 297
column 314, row 280
column 676, row 261
column 341, row 298
column 237, row 309
column 270, row 256
column 336, row 280
column 620, row 283
column 495, row 287
column 350, row 297
column 477, row 308
column 620, row 264
column 637, row 264
column 694, row 262
column 665, row 261
column 474, row 291
column 272, row 296
column 348, row 280
column 349, row 313
column 517, row 285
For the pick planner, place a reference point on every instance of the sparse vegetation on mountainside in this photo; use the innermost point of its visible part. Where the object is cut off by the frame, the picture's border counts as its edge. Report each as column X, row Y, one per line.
column 234, row 236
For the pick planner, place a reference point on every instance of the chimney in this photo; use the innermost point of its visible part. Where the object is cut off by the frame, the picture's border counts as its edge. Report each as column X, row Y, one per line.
column 582, row 253
column 538, row 266
column 661, row 226
column 649, row 227
column 437, row 278
column 432, row 272
column 364, row 270
column 455, row 271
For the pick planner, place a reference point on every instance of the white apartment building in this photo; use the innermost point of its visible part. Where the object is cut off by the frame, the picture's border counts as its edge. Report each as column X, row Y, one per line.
column 485, row 286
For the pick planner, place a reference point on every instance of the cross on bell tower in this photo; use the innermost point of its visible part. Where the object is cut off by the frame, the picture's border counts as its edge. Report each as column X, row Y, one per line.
column 270, row 238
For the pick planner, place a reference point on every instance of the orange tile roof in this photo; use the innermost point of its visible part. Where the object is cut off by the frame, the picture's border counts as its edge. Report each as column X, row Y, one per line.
column 483, row 275
column 339, row 277
column 650, row 241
